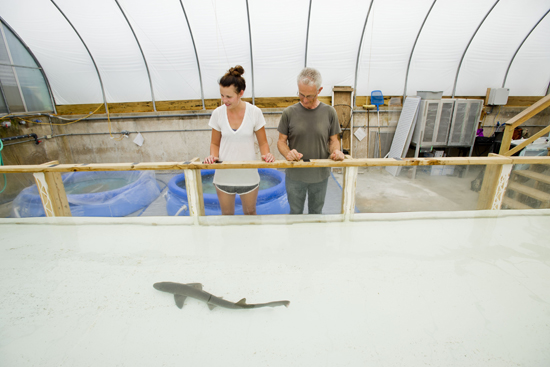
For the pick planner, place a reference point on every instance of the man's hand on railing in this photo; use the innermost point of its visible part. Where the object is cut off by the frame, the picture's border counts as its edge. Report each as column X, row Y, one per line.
column 210, row 159
column 337, row 155
column 294, row 155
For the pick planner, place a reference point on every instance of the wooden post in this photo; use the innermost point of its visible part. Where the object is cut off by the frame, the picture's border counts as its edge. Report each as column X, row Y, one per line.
column 52, row 193
column 342, row 102
column 193, row 184
column 494, row 186
column 348, row 191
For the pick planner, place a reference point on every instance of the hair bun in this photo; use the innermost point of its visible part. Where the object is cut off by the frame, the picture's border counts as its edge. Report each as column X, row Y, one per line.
column 236, row 71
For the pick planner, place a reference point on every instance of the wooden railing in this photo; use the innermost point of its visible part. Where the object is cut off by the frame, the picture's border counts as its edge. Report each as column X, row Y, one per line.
column 54, row 199
column 519, row 119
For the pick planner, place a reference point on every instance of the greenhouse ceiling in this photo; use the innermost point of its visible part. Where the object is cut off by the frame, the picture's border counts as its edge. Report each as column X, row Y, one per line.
column 164, row 50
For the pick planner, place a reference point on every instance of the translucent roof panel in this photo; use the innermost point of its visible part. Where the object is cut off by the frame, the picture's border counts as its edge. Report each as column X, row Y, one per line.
column 494, row 46
column 221, row 34
column 441, row 44
column 530, row 72
column 333, row 47
column 106, row 33
column 464, row 46
column 388, row 42
column 163, row 33
column 279, row 31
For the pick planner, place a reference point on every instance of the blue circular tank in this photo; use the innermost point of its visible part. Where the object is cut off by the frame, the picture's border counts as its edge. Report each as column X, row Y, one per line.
column 89, row 195
column 272, row 200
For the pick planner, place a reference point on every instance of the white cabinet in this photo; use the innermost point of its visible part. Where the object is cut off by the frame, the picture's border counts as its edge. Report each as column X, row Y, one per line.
column 465, row 120
column 433, row 123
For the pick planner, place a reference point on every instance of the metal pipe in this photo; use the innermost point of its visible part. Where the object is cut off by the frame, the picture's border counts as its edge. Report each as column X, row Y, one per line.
column 89, row 53
column 52, row 99
column 359, row 50
column 196, row 54
column 517, row 50
column 32, row 135
column 251, row 54
column 307, row 32
column 137, row 117
column 468, row 46
column 142, row 55
column 412, row 51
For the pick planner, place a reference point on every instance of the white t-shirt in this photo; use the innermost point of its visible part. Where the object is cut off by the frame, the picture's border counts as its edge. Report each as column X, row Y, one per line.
column 237, row 145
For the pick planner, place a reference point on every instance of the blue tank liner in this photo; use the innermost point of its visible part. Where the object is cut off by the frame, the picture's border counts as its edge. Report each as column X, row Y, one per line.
column 270, row 201
column 141, row 190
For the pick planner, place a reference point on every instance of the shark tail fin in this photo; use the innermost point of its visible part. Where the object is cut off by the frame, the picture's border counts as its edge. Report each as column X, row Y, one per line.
column 242, row 302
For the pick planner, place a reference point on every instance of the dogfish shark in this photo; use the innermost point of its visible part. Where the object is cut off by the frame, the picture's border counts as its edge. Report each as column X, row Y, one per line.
column 194, row 290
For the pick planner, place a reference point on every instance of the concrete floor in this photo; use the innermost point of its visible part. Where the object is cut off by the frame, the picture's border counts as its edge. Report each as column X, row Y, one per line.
column 378, row 191
column 449, row 291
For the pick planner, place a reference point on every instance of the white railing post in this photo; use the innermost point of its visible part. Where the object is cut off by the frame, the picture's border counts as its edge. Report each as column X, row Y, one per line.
column 348, row 192
column 42, row 187
column 501, row 186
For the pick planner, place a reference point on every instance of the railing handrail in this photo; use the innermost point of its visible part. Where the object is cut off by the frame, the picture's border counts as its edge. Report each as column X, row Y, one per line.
column 317, row 163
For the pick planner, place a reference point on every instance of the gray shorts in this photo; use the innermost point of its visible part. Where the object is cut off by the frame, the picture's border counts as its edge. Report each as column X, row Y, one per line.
column 241, row 190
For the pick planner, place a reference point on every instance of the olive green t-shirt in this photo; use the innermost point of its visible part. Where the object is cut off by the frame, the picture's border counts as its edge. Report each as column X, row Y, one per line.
column 308, row 132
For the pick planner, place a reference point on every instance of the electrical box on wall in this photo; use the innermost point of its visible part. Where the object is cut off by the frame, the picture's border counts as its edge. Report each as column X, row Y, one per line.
column 497, row 96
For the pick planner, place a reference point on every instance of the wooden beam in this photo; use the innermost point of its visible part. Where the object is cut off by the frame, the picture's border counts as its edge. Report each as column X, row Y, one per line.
column 261, row 102
column 529, row 112
column 519, row 119
column 517, row 148
column 343, row 106
column 361, row 162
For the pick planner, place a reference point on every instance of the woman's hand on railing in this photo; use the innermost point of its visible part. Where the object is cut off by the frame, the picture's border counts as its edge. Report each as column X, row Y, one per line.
column 268, row 158
column 210, row 159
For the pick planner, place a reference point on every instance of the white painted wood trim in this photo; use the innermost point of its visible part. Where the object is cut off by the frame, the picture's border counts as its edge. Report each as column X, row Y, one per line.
column 42, row 187
column 349, row 192
column 192, row 194
column 502, row 185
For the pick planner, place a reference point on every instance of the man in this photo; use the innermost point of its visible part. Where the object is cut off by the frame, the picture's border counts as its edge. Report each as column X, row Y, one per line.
column 309, row 130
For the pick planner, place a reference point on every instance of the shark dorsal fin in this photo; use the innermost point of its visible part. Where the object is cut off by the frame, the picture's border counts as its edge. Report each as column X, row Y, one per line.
column 195, row 285
column 242, row 302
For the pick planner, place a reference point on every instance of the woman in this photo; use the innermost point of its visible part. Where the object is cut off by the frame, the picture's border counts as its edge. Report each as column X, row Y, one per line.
column 234, row 125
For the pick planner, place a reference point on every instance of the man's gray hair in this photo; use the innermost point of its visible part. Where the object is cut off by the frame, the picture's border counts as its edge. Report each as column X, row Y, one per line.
column 310, row 76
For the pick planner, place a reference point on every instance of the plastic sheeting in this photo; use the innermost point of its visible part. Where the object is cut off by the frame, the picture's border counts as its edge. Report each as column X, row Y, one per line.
column 278, row 43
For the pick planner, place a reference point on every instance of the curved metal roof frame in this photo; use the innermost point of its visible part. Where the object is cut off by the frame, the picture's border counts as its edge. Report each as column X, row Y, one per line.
column 468, row 46
column 519, row 47
column 359, row 51
column 196, row 54
column 142, row 55
column 35, row 60
column 412, row 50
column 89, row 53
column 307, row 32
column 251, row 53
